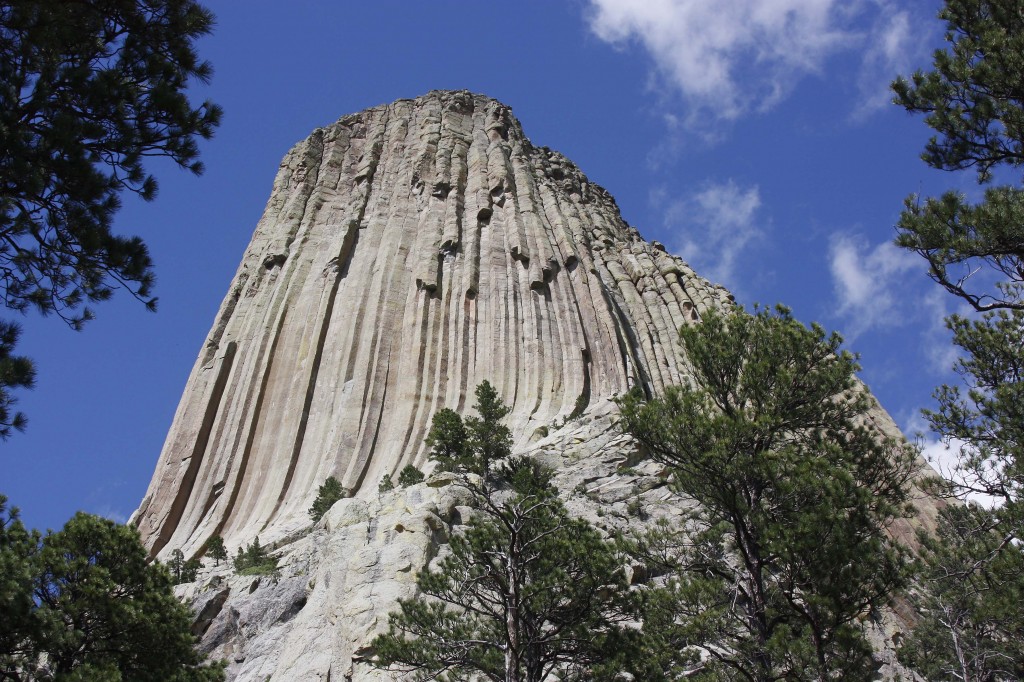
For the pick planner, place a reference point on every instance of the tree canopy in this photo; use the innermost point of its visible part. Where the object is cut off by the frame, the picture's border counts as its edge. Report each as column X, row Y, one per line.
column 526, row 591
column 473, row 444
column 89, row 90
column 329, row 492
column 973, row 98
column 787, row 548
column 83, row 603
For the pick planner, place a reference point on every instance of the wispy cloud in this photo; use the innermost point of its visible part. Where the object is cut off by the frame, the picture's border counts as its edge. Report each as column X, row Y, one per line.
column 712, row 226
column 883, row 287
column 891, row 48
column 108, row 512
column 731, row 57
column 865, row 281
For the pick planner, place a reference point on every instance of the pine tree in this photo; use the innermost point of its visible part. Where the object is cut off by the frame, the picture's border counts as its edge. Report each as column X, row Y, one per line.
column 973, row 100
column 972, row 624
column 15, row 372
column 19, row 626
column 526, row 593
column 96, row 609
column 409, row 475
column 90, row 91
column 182, row 570
column 216, row 550
column 330, row 492
column 474, row 444
column 972, row 618
column 786, row 551
column 254, row 560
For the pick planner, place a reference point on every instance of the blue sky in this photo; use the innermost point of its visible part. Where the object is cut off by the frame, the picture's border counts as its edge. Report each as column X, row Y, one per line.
column 755, row 138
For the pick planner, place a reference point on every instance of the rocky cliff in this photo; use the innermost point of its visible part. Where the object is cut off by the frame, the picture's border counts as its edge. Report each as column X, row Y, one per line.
column 407, row 253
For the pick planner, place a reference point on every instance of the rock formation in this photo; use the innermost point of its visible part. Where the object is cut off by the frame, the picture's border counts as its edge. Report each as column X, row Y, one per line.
column 407, row 253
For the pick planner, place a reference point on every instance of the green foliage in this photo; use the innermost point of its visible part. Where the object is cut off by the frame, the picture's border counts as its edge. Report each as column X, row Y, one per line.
column 987, row 415
column 385, row 484
column 525, row 593
column 579, row 407
column 409, row 475
column 183, row 571
column 20, row 629
column 972, row 625
column 89, row 90
column 972, row 98
column 216, row 550
column 474, row 444
column 84, row 604
column 330, row 492
column 15, row 372
column 254, row 560
column 787, row 550
column 447, row 441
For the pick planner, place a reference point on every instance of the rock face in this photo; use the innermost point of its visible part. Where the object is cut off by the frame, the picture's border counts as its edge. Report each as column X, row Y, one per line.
column 407, row 253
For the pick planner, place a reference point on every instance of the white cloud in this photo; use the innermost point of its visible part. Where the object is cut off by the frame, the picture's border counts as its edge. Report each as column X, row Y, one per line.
column 866, row 282
column 945, row 456
column 892, row 49
column 713, row 226
column 730, row 57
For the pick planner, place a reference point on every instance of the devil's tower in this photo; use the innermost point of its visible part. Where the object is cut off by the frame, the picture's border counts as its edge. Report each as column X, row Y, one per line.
column 407, row 253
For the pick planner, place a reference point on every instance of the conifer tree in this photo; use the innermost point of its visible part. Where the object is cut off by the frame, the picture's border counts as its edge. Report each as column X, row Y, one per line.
column 330, row 492
column 254, row 560
column 20, row 629
column 15, row 372
column 182, row 570
column 973, row 98
column 473, row 444
column 83, row 603
column 90, row 90
column 409, row 475
column 786, row 550
column 526, row 593
column 216, row 550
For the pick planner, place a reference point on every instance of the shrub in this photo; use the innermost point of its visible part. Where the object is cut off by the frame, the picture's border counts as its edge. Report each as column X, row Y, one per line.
column 410, row 475
column 254, row 560
column 330, row 492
